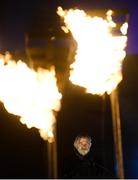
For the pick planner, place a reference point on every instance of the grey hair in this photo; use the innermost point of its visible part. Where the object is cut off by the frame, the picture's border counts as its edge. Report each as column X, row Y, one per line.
column 81, row 136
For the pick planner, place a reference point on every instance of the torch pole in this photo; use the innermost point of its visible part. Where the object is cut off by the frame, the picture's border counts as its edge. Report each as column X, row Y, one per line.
column 117, row 132
column 52, row 159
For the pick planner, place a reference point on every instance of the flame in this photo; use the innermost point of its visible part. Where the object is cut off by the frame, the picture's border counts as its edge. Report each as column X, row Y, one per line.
column 32, row 95
column 99, row 55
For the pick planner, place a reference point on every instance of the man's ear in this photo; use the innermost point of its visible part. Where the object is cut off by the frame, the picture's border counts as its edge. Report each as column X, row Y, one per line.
column 76, row 144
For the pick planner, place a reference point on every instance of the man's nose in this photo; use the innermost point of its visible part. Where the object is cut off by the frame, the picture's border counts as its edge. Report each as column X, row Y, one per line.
column 84, row 144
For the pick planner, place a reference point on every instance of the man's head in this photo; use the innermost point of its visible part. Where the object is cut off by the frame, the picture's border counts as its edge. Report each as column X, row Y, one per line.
column 83, row 144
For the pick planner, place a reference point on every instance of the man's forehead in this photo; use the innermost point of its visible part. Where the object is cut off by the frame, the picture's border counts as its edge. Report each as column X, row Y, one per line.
column 84, row 139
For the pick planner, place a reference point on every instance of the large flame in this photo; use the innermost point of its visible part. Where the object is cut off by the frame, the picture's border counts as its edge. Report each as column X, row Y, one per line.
column 32, row 95
column 99, row 54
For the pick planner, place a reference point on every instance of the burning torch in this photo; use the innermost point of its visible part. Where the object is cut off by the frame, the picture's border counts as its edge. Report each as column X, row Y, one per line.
column 98, row 61
column 34, row 97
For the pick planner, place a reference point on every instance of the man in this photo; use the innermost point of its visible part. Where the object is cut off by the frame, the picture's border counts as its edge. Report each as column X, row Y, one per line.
column 82, row 165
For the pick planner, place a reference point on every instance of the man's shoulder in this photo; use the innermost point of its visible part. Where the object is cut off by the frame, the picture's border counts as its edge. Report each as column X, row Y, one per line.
column 103, row 171
column 69, row 160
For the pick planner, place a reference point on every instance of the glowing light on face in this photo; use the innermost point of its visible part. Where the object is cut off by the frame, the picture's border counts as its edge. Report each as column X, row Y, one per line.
column 99, row 54
column 83, row 145
column 31, row 95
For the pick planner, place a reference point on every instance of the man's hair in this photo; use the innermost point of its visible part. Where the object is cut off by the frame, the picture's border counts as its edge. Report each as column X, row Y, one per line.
column 81, row 135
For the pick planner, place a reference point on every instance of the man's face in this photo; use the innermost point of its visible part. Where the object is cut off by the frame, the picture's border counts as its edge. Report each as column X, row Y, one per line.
column 83, row 145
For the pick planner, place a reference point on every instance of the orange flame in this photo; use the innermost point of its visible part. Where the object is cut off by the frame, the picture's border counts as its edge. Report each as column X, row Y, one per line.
column 29, row 94
column 99, row 55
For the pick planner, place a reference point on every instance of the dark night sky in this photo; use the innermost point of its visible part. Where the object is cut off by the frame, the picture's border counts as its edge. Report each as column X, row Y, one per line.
column 22, row 151
column 16, row 17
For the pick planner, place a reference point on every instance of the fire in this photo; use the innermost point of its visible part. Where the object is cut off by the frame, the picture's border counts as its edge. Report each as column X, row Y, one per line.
column 99, row 54
column 31, row 95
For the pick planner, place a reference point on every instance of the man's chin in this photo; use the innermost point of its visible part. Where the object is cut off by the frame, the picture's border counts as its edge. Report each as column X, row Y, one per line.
column 83, row 153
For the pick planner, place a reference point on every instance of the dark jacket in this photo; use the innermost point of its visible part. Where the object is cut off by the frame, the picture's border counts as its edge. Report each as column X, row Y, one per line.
column 84, row 167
